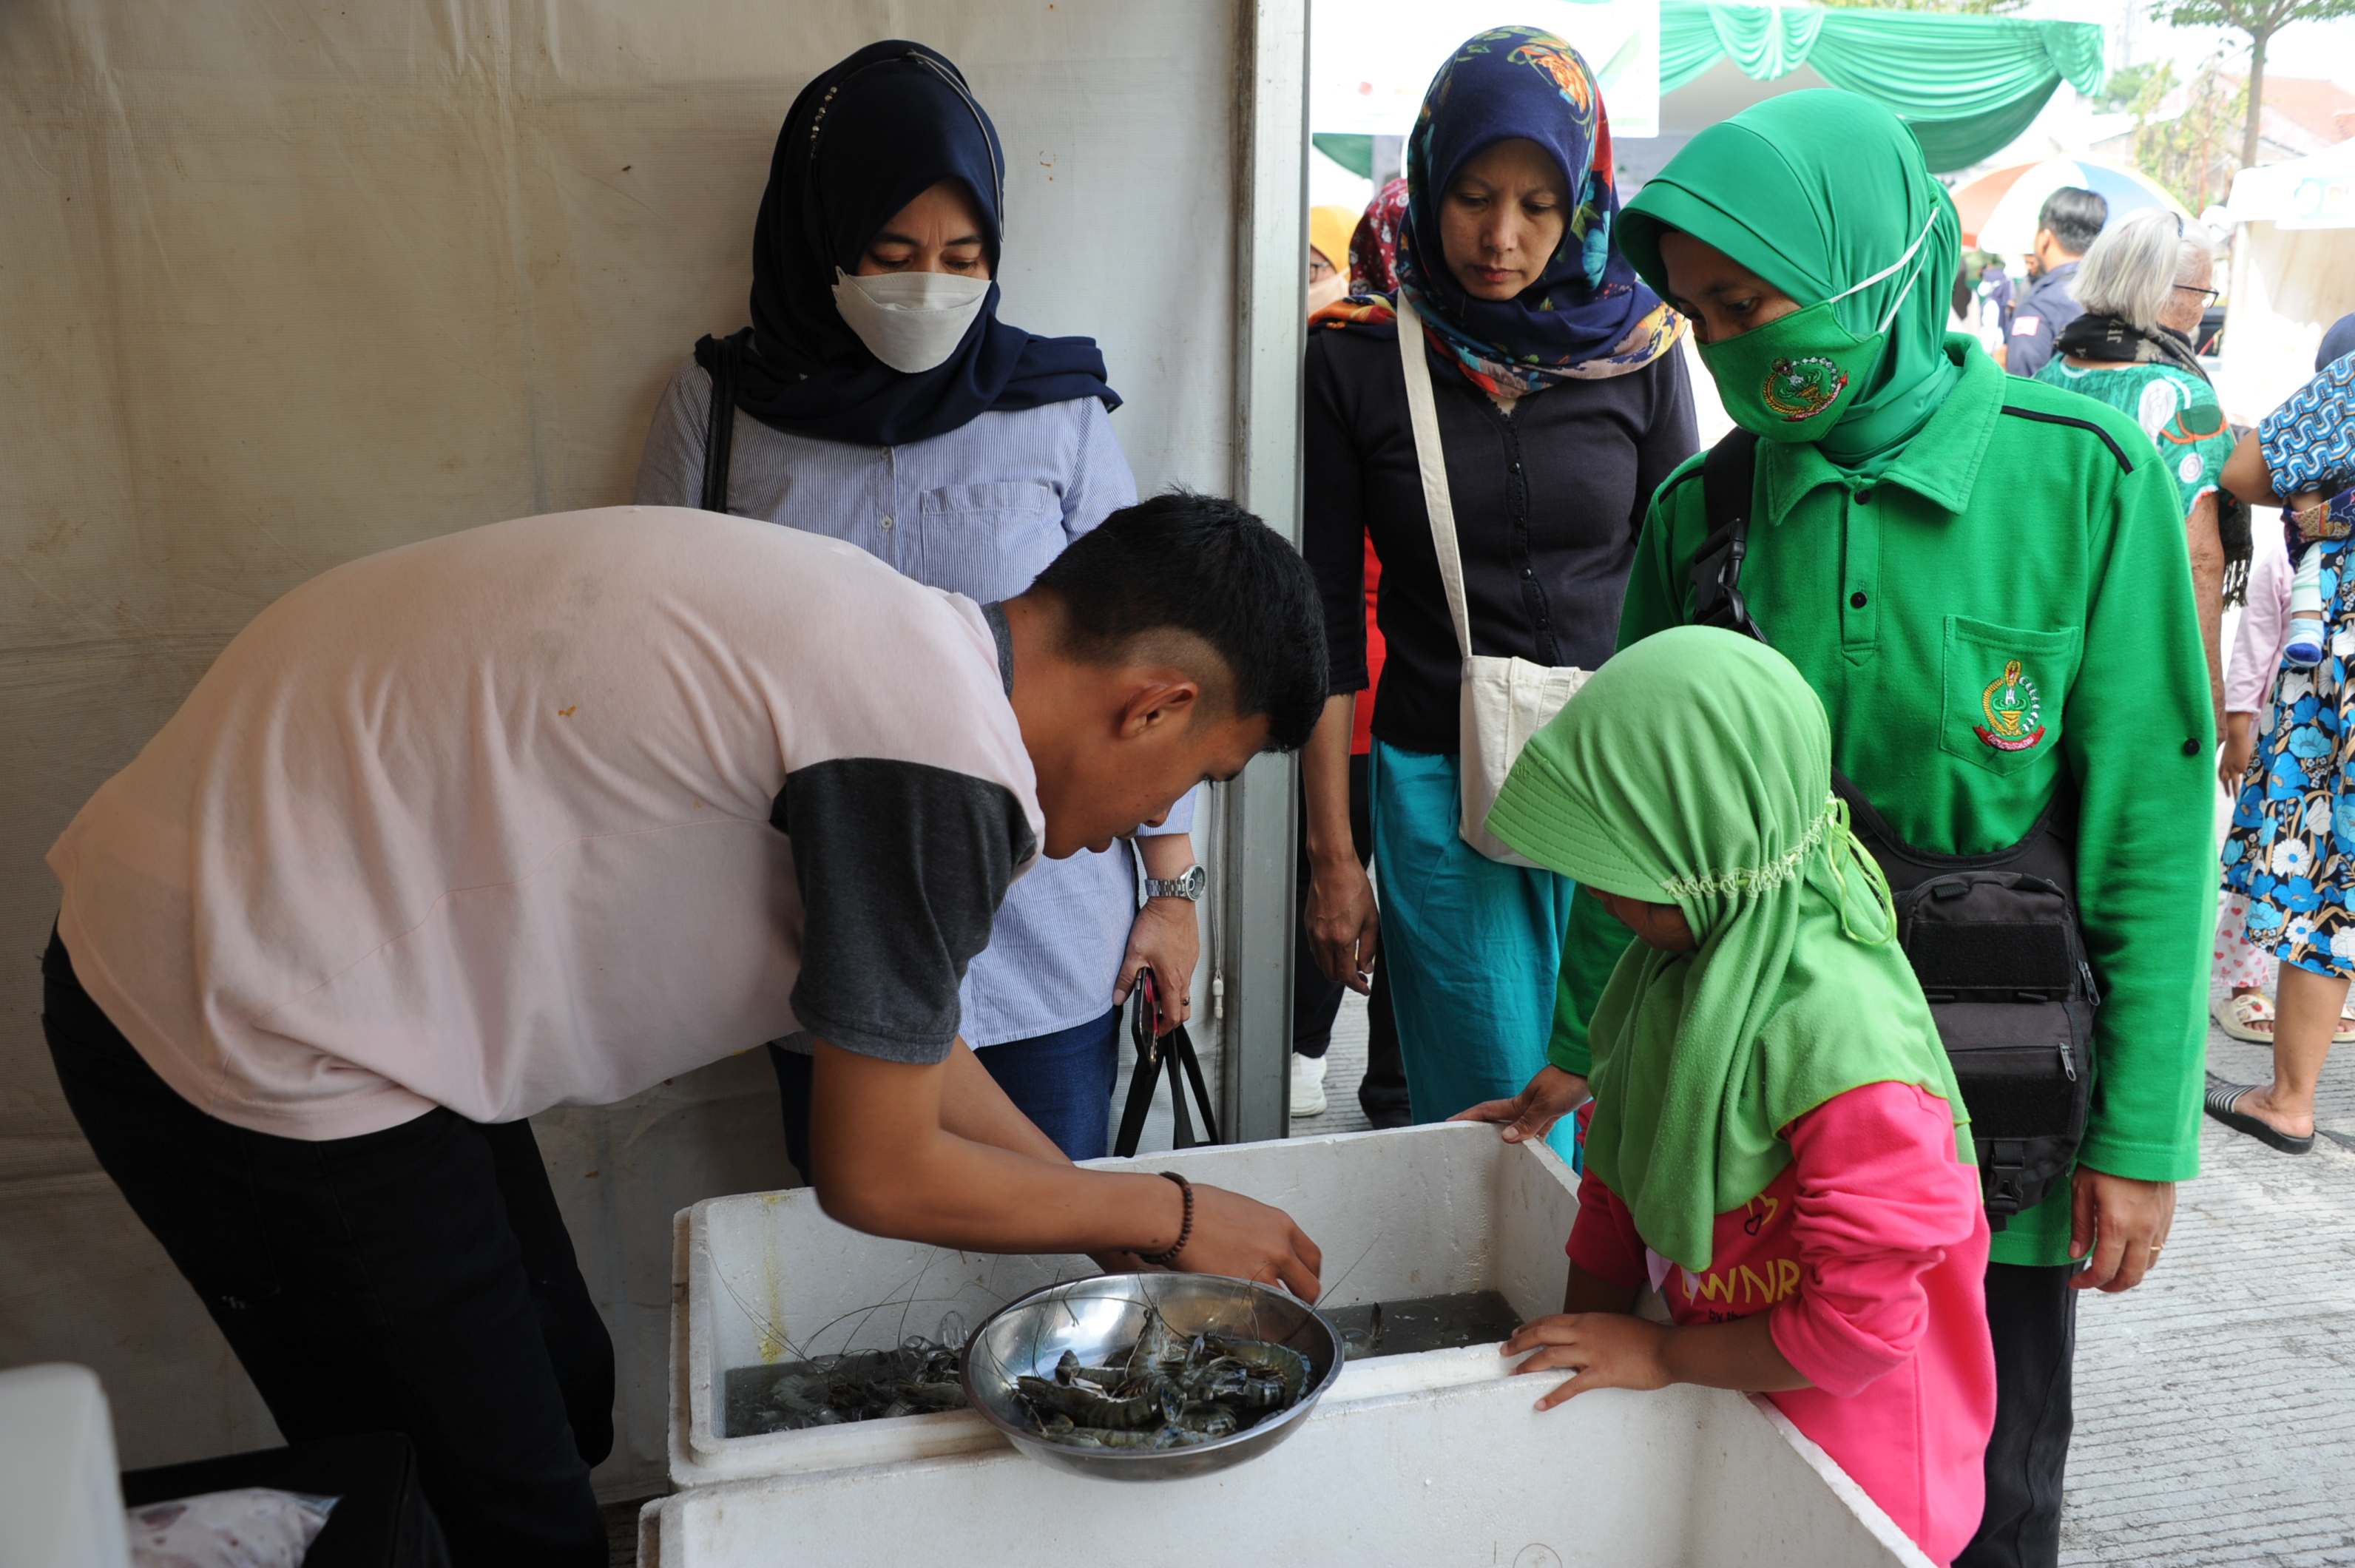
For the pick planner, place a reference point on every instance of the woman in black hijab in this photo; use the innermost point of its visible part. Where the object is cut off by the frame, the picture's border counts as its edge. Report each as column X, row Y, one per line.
column 878, row 398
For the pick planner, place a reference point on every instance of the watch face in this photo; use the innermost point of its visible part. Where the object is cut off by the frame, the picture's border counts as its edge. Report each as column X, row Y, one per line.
column 1188, row 886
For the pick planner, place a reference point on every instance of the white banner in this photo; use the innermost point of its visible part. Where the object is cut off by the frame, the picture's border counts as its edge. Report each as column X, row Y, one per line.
column 1369, row 66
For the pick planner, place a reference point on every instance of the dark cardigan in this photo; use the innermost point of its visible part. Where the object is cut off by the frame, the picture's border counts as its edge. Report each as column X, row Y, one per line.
column 1548, row 504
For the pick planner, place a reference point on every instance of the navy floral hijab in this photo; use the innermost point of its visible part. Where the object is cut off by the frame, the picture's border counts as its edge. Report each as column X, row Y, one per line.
column 863, row 140
column 1587, row 316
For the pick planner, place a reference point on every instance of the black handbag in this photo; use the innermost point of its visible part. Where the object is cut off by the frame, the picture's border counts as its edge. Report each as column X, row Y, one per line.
column 1994, row 939
column 1156, row 1051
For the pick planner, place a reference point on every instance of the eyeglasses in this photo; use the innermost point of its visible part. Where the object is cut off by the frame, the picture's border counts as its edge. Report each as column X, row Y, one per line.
column 2209, row 294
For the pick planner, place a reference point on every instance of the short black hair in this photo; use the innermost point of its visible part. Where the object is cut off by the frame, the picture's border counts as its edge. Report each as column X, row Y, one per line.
column 1201, row 565
column 2076, row 216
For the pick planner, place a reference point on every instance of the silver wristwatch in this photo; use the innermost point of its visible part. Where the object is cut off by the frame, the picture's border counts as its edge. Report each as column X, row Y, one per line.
column 1187, row 886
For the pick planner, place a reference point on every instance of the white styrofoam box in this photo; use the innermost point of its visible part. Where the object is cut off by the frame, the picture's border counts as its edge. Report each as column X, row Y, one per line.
column 1418, row 1211
column 61, row 1497
column 1471, row 1475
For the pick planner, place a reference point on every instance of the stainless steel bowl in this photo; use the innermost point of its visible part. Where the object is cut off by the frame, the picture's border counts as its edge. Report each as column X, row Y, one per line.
column 1092, row 1317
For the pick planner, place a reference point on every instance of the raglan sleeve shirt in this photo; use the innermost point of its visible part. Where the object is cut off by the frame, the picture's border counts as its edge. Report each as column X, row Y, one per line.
column 545, row 812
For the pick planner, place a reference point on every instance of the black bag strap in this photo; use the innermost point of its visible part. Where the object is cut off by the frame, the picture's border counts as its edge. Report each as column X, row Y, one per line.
column 1153, row 1050
column 719, row 356
column 1729, row 475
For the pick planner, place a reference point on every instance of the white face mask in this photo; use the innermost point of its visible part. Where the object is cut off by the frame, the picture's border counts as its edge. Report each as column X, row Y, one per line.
column 911, row 321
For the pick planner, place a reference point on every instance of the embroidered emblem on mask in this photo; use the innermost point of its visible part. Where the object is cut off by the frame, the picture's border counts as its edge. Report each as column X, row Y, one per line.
column 2011, row 707
column 1802, row 388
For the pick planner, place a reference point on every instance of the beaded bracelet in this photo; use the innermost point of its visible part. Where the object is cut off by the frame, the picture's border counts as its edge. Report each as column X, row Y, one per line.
column 1185, row 1228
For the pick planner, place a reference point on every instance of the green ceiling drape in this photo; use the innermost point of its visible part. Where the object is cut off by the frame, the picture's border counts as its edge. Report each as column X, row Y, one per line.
column 1354, row 153
column 1968, row 85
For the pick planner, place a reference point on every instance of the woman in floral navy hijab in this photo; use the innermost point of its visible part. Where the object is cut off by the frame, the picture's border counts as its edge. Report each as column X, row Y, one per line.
column 1587, row 316
column 1559, row 408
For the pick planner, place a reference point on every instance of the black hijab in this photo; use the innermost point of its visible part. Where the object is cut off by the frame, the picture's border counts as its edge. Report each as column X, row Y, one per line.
column 862, row 141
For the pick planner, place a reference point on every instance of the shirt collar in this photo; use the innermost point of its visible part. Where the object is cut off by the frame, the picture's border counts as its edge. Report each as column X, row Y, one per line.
column 2057, row 276
column 1940, row 464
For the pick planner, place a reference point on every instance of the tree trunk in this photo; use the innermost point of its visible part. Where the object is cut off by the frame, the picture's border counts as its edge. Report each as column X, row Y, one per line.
column 2257, row 42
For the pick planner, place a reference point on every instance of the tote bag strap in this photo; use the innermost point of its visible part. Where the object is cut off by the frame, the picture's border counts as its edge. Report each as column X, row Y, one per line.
column 1423, row 415
column 720, row 358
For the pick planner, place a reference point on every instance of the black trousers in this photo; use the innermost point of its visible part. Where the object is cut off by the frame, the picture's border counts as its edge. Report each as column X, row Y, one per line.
column 417, row 1280
column 2032, row 1318
column 1316, row 1001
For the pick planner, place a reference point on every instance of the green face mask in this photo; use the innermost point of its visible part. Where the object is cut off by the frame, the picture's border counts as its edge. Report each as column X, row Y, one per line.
column 1792, row 378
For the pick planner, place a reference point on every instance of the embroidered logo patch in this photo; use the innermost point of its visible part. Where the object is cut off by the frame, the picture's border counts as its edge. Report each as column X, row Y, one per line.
column 1802, row 388
column 2011, row 707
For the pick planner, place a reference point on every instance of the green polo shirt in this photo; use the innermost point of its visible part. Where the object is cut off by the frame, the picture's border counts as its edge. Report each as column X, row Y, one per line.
column 2009, row 604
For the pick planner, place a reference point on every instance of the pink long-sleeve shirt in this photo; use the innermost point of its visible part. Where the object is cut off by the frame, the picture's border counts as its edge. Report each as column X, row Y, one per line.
column 2265, row 624
column 1870, row 1251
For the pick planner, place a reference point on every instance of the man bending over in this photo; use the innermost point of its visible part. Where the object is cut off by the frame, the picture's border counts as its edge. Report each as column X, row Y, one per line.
column 546, row 812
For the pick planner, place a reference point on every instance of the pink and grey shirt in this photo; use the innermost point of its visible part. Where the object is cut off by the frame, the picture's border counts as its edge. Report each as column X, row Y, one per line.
column 545, row 812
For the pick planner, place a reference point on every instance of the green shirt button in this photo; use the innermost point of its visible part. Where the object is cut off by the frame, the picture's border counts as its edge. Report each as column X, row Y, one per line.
column 1855, row 599
column 2192, row 747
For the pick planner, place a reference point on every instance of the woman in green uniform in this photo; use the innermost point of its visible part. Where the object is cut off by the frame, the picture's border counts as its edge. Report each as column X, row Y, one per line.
column 1984, row 579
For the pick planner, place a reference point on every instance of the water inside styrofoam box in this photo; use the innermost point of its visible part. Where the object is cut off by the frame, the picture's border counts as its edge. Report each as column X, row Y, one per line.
column 1420, row 1212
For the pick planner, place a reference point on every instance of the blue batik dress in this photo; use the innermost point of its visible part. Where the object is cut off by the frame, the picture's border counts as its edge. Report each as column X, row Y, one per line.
column 2292, row 844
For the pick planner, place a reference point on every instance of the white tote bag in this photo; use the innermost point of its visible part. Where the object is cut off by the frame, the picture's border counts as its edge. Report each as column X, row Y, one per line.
column 1503, row 701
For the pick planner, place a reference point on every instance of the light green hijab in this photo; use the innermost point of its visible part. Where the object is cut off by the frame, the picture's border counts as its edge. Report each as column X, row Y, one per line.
column 1695, row 769
column 1815, row 192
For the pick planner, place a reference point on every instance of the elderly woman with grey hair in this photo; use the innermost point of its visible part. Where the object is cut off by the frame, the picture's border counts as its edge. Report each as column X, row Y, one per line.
column 2144, row 285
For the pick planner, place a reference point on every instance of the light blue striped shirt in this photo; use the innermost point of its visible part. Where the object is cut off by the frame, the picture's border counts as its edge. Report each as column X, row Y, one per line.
column 978, row 511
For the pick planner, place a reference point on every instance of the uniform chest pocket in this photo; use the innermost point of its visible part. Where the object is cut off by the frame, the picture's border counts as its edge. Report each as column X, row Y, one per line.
column 989, row 542
column 2005, row 689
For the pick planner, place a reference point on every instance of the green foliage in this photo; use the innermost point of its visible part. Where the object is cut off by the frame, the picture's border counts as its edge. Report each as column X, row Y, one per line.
column 1951, row 7
column 2123, row 88
column 2192, row 155
column 2258, row 18
column 2261, row 19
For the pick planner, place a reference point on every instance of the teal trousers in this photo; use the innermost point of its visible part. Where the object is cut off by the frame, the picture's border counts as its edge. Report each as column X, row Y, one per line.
column 1472, row 945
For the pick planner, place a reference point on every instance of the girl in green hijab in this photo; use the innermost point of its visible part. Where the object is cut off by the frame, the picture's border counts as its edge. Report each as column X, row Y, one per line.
column 1776, row 1139
column 1812, row 248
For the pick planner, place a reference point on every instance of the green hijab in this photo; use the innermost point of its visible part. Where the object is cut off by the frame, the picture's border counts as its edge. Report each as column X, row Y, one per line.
column 1695, row 768
column 1815, row 192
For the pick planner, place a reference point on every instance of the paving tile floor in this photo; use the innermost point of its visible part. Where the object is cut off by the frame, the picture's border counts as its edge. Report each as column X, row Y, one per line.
column 2216, row 1404
column 1345, row 1068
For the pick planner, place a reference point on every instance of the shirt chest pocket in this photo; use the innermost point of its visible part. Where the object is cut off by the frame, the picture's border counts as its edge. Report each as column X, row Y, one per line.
column 2005, row 689
column 989, row 542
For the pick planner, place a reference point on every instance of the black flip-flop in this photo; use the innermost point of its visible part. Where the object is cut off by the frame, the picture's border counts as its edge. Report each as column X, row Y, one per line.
column 2221, row 1099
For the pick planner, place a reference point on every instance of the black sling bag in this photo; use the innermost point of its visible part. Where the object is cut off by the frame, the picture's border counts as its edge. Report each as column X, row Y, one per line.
column 1994, row 939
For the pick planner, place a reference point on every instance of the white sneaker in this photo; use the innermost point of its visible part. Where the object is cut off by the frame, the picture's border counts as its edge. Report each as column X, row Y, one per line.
column 1307, row 1085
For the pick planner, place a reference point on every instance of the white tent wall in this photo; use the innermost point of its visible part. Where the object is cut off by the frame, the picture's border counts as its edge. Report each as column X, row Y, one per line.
column 284, row 283
column 2288, row 285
